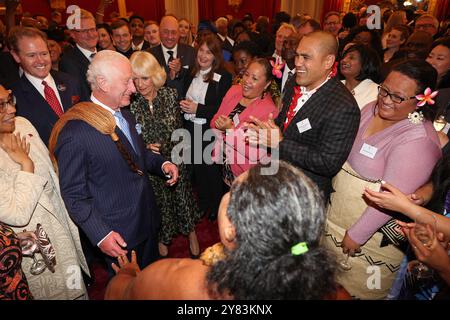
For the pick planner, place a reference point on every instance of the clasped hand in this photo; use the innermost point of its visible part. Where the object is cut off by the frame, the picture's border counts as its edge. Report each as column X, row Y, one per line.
column 188, row 106
column 265, row 133
column 171, row 170
column 174, row 68
column 223, row 123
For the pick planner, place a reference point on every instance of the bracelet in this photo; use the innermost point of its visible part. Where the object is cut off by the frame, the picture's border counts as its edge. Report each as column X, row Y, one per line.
column 100, row 14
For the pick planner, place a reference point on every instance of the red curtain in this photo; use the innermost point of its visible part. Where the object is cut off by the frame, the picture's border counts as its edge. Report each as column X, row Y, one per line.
column 148, row 9
column 442, row 9
column 212, row 9
column 331, row 5
column 206, row 10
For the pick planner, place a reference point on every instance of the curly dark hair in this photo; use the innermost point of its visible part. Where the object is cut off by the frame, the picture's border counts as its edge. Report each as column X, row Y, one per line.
column 424, row 75
column 272, row 213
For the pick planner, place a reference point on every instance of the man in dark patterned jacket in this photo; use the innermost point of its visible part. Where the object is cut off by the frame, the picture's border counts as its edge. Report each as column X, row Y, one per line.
column 319, row 119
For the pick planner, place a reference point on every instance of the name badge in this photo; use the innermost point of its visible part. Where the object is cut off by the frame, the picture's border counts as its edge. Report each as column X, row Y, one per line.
column 186, row 66
column 216, row 77
column 236, row 120
column 303, row 125
column 368, row 151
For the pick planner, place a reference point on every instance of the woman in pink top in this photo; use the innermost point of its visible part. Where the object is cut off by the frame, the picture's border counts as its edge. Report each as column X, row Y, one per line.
column 250, row 98
column 396, row 142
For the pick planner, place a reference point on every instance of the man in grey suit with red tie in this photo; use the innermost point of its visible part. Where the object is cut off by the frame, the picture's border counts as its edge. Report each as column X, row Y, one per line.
column 42, row 95
column 318, row 123
column 176, row 58
column 103, row 179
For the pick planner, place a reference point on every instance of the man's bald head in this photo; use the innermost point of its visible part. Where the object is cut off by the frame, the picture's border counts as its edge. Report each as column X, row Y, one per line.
column 328, row 42
column 168, row 20
column 168, row 31
column 315, row 57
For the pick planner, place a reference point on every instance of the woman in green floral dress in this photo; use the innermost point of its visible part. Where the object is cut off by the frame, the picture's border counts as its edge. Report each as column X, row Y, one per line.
column 157, row 113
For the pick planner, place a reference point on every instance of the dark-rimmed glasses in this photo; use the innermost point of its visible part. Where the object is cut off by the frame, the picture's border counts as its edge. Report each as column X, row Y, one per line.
column 383, row 92
column 10, row 102
column 85, row 31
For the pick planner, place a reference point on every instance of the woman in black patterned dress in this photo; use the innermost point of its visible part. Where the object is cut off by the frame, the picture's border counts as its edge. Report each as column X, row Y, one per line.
column 157, row 114
column 13, row 284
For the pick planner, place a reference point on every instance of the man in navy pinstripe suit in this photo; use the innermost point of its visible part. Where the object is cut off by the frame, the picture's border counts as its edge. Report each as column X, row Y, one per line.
column 109, row 199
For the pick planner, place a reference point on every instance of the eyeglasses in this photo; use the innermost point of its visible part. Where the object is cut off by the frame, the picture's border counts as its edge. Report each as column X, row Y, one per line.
column 10, row 102
column 424, row 26
column 85, row 31
column 383, row 92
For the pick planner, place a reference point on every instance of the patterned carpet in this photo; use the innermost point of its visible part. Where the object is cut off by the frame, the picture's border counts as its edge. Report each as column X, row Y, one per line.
column 207, row 233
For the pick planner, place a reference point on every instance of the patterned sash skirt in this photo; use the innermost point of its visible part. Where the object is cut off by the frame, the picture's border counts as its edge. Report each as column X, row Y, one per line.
column 373, row 270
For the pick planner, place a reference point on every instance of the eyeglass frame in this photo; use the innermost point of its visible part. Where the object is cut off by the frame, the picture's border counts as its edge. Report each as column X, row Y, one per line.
column 380, row 87
column 10, row 102
column 424, row 26
column 85, row 31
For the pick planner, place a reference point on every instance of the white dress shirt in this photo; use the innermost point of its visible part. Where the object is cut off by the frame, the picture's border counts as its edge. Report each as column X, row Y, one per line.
column 166, row 55
column 197, row 93
column 306, row 95
column 231, row 41
column 87, row 53
column 137, row 47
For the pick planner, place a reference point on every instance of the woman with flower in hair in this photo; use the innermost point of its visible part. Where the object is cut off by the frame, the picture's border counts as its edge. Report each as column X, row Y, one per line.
column 253, row 97
column 396, row 142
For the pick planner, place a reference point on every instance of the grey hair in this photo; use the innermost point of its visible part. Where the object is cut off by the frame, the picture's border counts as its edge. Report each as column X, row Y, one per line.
column 102, row 66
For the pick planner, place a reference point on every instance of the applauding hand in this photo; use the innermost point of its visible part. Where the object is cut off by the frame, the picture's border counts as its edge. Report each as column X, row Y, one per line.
column 265, row 133
column 223, row 123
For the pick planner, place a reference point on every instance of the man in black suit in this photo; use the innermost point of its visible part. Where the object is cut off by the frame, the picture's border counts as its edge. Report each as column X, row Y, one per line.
column 42, row 96
column 137, row 32
column 176, row 58
column 222, row 34
column 318, row 123
column 9, row 72
column 75, row 60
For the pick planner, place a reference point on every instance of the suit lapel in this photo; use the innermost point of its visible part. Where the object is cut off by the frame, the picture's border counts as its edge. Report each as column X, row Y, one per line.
column 309, row 108
column 160, row 56
column 36, row 99
column 133, row 132
column 181, row 53
column 66, row 99
column 82, row 57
